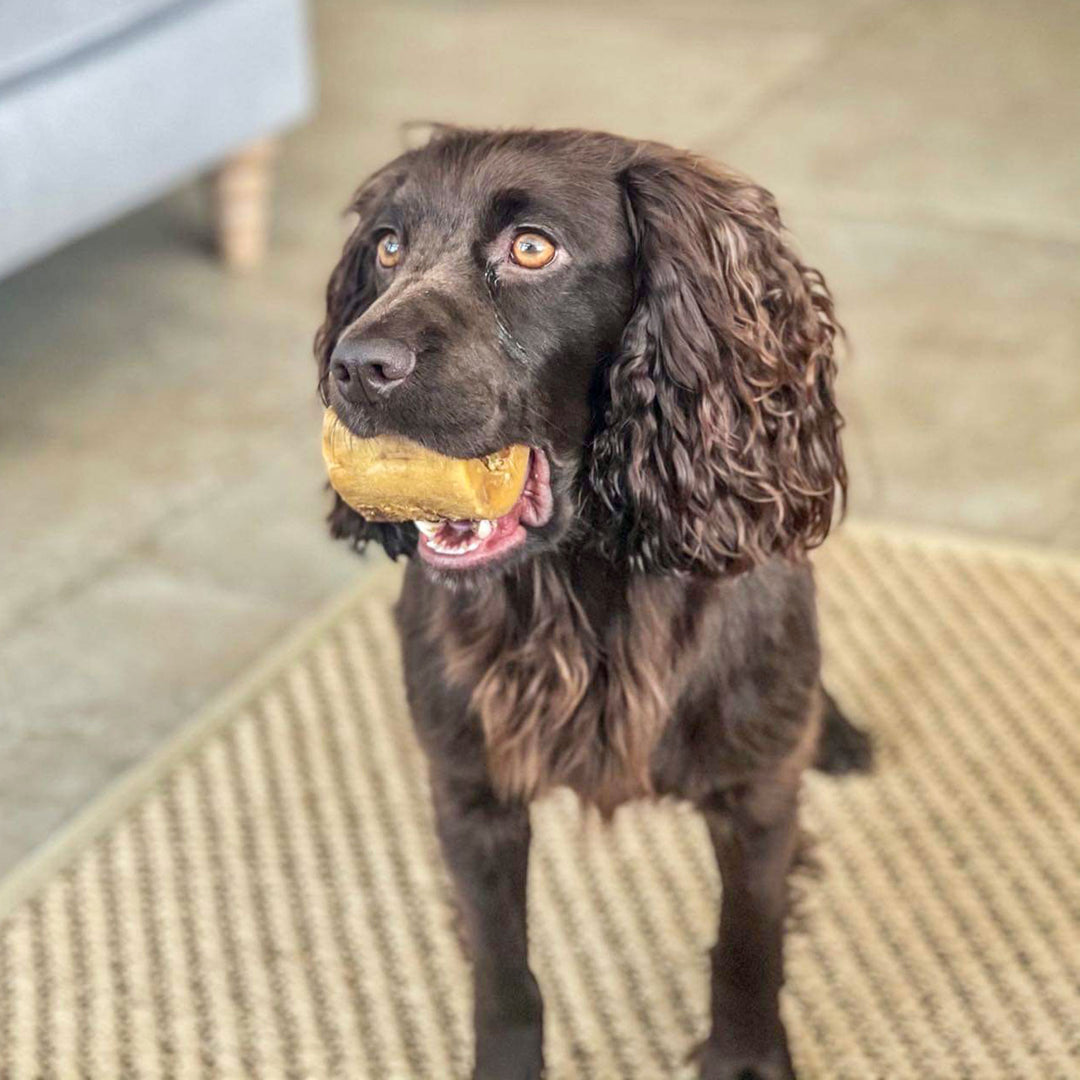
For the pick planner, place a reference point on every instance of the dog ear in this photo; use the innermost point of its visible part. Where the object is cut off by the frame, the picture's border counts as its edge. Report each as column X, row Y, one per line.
column 350, row 291
column 718, row 440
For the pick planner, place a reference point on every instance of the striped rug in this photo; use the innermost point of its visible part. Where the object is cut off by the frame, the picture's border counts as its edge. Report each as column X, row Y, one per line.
column 265, row 898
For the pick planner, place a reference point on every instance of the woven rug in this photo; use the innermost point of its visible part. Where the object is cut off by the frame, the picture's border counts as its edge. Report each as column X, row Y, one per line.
column 265, row 898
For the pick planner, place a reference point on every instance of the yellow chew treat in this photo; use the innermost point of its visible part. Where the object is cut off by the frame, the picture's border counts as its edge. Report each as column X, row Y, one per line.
column 394, row 479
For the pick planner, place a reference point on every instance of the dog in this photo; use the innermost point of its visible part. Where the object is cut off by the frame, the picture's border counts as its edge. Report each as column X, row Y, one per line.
column 642, row 622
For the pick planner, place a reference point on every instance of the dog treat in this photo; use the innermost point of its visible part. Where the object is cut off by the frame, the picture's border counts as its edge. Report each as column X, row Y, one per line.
column 394, row 479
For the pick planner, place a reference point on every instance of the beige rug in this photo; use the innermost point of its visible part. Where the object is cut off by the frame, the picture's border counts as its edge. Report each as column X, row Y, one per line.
column 265, row 898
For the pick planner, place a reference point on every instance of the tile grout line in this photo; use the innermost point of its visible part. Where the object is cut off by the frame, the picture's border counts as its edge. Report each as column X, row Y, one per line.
column 35, row 609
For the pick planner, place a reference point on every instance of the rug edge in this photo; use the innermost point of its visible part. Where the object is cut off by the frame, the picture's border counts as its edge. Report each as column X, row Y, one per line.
column 19, row 884
column 104, row 809
column 942, row 537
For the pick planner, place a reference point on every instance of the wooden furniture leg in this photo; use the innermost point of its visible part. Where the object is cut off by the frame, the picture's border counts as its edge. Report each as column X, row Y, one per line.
column 242, row 205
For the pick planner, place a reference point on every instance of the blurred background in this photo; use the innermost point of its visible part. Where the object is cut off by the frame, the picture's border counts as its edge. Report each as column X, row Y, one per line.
column 160, row 483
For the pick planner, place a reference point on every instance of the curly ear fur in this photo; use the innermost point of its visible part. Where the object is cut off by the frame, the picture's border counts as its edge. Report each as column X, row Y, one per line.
column 350, row 291
column 719, row 440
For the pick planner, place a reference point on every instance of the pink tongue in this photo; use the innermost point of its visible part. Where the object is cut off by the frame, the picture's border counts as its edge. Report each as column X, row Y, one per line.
column 459, row 526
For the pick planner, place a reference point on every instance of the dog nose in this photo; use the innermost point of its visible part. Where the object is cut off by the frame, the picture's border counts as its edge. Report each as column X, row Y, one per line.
column 369, row 368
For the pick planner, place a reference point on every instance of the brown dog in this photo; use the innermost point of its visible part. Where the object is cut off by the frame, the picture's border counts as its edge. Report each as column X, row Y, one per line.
column 642, row 623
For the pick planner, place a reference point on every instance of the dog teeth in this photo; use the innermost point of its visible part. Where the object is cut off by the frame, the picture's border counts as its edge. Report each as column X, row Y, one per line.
column 453, row 549
column 437, row 541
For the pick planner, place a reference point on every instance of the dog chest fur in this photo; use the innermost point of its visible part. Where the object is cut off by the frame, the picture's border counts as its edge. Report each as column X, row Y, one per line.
column 565, row 698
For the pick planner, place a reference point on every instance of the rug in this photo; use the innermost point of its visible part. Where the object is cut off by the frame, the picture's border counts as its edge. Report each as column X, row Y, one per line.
column 265, row 897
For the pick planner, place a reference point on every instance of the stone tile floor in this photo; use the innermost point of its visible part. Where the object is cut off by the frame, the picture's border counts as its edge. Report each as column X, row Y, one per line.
column 160, row 486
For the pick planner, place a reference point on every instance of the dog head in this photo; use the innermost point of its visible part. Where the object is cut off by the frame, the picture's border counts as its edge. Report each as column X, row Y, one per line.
column 630, row 312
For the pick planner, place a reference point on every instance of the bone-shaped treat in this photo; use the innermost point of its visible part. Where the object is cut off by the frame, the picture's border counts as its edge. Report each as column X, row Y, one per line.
column 394, row 479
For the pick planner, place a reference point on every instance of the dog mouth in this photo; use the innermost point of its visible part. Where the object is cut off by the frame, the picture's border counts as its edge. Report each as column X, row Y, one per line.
column 465, row 545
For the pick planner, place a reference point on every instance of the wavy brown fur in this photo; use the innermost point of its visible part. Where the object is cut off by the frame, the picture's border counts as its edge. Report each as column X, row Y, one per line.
column 657, row 636
column 559, row 701
column 719, row 442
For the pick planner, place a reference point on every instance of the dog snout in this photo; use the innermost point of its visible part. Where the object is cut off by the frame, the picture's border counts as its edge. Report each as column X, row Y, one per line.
column 367, row 369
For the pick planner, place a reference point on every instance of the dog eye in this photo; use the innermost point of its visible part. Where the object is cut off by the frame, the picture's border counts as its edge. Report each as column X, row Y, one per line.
column 389, row 250
column 532, row 250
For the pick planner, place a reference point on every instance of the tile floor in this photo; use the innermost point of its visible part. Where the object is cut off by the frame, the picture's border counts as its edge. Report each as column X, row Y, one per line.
column 160, row 492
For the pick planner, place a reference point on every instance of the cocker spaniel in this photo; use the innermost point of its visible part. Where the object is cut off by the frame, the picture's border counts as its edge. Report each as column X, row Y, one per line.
column 642, row 622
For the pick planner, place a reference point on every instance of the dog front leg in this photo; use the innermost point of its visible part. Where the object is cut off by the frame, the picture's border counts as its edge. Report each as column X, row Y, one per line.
column 486, row 845
column 755, row 841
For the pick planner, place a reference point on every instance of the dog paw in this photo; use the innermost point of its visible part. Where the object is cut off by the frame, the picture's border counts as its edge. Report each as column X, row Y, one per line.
column 510, row 1053
column 717, row 1065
